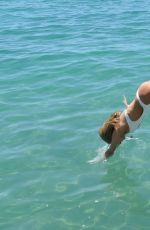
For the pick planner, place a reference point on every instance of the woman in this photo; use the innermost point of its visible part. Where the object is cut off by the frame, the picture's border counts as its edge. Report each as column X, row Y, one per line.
column 119, row 124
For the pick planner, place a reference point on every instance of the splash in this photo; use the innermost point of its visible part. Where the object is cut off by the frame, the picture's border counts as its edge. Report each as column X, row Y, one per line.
column 130, row 138
column 100, row 155
column 101, row 151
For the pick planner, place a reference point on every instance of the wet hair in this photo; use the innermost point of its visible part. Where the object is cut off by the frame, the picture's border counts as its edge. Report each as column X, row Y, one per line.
column 106, row 131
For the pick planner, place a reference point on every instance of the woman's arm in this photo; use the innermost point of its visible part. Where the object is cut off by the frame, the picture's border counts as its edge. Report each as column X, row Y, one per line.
column 110, row 151
column 125, row 101
column 117, row 138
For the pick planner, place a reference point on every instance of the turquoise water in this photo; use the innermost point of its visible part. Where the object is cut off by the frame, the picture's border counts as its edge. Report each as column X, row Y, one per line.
column 64, row 66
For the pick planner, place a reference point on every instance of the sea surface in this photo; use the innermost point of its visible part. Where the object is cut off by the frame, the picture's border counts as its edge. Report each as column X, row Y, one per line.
column 64, row 67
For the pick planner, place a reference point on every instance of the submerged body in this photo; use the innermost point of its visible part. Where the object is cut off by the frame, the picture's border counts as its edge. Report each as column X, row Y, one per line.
column 127, row 121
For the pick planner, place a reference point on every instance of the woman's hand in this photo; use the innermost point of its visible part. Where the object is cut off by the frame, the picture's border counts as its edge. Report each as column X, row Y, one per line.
column 108, row 153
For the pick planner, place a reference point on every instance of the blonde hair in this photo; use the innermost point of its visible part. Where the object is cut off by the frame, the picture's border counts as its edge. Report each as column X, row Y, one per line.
column 107, row 129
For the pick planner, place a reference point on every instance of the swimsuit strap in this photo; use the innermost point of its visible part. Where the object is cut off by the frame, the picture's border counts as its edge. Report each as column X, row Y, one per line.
column 132, row 124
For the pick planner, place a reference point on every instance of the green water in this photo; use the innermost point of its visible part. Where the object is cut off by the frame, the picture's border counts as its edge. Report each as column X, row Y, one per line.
column 64, row 67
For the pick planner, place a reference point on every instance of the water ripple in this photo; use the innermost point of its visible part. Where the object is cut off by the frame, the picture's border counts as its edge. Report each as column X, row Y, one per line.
column 64, row 67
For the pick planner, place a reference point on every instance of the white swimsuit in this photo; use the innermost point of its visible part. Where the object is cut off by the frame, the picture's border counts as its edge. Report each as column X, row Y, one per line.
column 135, row 124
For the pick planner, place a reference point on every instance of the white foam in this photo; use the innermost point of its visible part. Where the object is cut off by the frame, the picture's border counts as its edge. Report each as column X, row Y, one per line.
column 131, row 138
column 100, row 155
